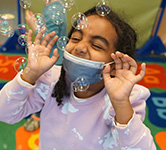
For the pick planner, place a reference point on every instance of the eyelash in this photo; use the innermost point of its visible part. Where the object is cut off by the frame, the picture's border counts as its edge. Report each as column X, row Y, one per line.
column 75, row 39
column 95, row 46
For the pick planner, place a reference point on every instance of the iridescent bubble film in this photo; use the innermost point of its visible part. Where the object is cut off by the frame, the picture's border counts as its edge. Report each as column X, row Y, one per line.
column 67, row 4
column 23, row 28
column 80, row 84
column 62, row 42
column 25, row 3
column 20, row 64
column 103, row 8
column 56, row 14
column 79, row 21
column 22, row 39
column 6, row 28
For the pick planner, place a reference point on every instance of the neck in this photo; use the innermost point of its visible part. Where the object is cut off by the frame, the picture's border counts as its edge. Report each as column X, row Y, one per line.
column 91, row 91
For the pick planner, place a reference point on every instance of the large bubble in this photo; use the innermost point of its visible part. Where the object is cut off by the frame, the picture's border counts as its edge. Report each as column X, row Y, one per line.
column 23, row 28
column 79, row 21
column 56, row 15
column 20, row 64
column 103, row 8
column 62, row 42
column 80, row 84
column 6, row 26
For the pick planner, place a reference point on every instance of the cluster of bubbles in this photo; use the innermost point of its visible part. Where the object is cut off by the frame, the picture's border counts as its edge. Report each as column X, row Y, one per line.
column 79, row 21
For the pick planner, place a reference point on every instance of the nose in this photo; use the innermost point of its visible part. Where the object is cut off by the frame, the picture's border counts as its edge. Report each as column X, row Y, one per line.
column 81, row 49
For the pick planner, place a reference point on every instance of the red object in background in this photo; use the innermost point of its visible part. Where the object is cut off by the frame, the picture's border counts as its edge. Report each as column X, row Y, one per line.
column 7, row 71
column 155, row 76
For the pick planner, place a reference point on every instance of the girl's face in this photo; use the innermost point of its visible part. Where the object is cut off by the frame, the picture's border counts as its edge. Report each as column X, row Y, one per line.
column 96, row 42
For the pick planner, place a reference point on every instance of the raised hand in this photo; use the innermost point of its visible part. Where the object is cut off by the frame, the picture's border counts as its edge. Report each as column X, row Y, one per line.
column 120, row 86
column 38, row 55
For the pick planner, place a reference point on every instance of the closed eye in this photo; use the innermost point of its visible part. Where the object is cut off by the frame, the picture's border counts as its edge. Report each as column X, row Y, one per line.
column 97, row 47
column 75, row 40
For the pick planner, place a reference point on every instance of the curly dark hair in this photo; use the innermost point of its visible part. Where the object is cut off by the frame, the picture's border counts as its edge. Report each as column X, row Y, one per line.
column 125, row 43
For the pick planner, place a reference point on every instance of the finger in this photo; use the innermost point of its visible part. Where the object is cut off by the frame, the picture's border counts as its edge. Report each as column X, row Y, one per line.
column 55, row 56
column 140, row 76
column 132, row 63
column 31, row 13
column 47, row 38
column 29, row 38
column 39, row 35
column 106, row 72
column 125, row 62
column 52, row 42
column 118, row 62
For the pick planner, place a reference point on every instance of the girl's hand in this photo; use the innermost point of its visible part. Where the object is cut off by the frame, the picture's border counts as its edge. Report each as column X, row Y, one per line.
column 29, row 18
column 120, row 87
column 38, row 55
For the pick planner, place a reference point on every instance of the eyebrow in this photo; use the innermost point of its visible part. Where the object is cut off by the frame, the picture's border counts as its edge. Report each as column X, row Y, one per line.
column 94, row 37
column 102, row 39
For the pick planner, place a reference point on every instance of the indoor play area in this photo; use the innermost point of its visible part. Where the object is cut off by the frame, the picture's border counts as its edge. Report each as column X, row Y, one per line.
column 146, row 17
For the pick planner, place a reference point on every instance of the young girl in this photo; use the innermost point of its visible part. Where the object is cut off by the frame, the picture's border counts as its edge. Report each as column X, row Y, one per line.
column 106, row 116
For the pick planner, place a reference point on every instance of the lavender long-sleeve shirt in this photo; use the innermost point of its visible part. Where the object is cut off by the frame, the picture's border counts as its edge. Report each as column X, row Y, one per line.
column 80, row 124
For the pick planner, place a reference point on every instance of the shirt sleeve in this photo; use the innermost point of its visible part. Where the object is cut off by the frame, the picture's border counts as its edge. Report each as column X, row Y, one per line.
column 19, row 99
column 134, row 135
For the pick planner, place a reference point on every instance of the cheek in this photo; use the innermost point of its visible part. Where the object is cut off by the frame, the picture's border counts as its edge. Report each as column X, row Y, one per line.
column 69, row 47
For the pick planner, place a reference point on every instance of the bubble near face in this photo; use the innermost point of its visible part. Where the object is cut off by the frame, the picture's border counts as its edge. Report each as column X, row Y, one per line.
column 79, row 21
column 103, row 8
column 25, row 3
column 62, row 42
column 80, row 84
column 20, row 64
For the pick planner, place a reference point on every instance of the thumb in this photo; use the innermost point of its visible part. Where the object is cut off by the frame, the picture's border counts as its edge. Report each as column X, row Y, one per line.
column 55, row 56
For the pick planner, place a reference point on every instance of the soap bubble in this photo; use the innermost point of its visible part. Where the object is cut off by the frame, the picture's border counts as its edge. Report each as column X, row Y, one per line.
column 23, row 28
column 80, row 84
column 6, row 24
column 25, row 3
column 20, row 64
column 6, row 28
column 67, row 4
column 57, row 15
column 39, row 21
column 103, row 8
column 79, row 21
column 62, row 41
column 22, row 39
